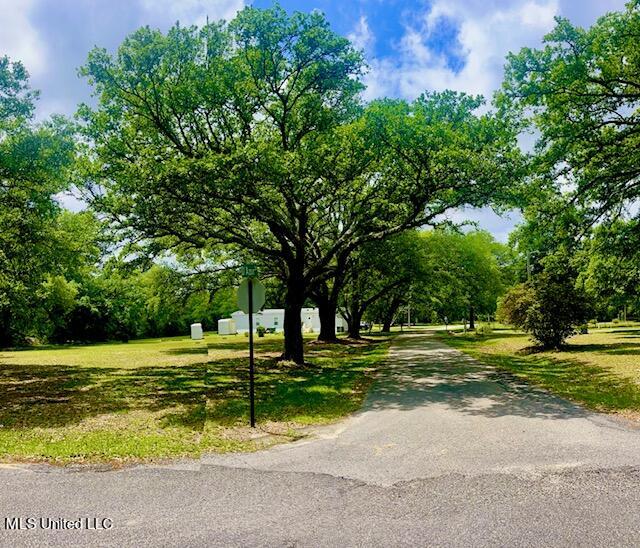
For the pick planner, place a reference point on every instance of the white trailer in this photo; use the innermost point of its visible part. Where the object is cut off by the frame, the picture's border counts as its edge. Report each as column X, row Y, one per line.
column 226, row 327
column 272, row 319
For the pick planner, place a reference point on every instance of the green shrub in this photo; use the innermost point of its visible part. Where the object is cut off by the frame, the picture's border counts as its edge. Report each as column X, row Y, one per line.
column 549, row 307
column 484, row 330
column 515, row 304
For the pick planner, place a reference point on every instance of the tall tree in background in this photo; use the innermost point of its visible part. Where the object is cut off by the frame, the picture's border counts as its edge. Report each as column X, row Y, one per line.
column 386, row 269
column 582, row 92
column 610, row 272
column 472, row 269
column 33, row 168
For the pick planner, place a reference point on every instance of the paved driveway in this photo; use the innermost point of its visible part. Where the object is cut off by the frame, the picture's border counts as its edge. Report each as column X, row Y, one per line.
column 445, row 452
column 437, row 411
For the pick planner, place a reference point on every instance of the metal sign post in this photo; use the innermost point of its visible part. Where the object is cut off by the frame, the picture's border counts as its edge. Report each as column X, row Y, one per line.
column 251, row 384
column 251, row 296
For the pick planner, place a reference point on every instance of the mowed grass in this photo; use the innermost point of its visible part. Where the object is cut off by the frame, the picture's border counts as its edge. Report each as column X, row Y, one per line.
column 166, row 398
column 600, row 370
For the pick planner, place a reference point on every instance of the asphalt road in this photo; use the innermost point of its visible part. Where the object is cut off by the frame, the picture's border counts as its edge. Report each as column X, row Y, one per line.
column 446, row 452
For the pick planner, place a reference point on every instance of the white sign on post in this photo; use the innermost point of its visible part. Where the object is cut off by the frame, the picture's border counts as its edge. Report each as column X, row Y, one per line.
column 243, row 295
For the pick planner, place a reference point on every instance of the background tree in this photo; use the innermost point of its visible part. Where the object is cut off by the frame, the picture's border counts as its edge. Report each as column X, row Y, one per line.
column 582, row 92
column 382, row 270
column 33, row 167
column 472, row 271
column 610, row 272
column 424, row 144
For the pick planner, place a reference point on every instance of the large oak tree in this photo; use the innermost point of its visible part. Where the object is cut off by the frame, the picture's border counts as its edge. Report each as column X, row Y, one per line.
column 251, row 134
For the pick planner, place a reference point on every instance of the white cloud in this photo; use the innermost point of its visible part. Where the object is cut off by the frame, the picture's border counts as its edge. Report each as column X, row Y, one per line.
column 194, row 11
column 487, row 32
column 361, row 36
column 18, row 37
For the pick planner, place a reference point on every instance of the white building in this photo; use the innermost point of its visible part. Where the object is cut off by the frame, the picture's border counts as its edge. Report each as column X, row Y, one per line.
column 273, row 319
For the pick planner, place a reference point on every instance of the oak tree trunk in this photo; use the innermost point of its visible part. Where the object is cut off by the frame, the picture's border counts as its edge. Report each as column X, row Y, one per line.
column 327, row 311
column 354, row 324
column 6, row 337
column 294, row 301
column 388, row 317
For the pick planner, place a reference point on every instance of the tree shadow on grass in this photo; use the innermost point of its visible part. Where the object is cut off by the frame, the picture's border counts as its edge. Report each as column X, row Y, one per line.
column 186, row 351
column 59, row 395
column 54, row 396
column 472, row 338
column 623, row 348
column 325, row 388
column 595, row 386
column 264, row 344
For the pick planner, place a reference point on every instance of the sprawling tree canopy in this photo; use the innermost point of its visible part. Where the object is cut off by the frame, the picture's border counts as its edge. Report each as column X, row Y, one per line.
column 583, row 94
column 252, row 134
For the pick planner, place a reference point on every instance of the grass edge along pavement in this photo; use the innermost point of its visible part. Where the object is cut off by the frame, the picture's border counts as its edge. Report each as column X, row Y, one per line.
column 584, row 373
column 159, row 399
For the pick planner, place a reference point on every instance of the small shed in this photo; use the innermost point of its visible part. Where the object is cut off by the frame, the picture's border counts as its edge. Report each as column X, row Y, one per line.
column 226, row 327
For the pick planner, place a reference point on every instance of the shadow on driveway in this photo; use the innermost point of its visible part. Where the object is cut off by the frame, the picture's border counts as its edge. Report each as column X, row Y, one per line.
column 436, row 374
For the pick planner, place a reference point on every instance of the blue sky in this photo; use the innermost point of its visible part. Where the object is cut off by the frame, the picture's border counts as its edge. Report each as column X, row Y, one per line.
column 411, row 46
column 388, row 22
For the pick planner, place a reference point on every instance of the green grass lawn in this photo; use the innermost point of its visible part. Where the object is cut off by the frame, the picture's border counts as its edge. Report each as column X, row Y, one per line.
column 173, row 397
column 600, row 370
